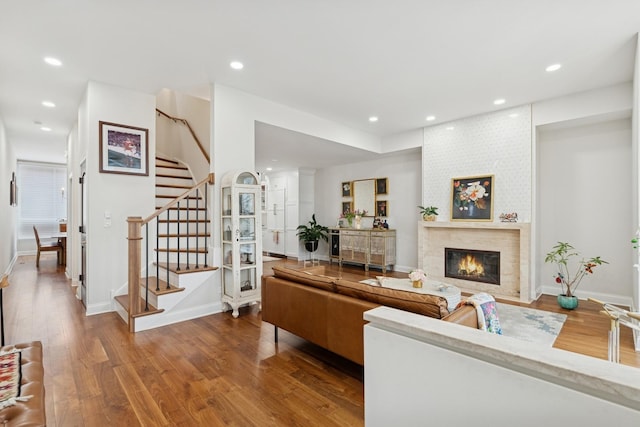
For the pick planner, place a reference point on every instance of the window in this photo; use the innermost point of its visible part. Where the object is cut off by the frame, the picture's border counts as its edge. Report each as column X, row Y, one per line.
column 42, row 198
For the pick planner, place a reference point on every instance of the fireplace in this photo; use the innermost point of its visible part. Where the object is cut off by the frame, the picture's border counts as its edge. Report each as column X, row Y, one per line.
column 474, row 265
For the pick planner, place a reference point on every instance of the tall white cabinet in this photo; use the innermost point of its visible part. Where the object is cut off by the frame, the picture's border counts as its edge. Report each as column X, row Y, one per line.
column 241, row 239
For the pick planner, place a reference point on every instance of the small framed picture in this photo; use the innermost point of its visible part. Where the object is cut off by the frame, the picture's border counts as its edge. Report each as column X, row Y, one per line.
column 382, row 208
column 346, row 189
column 13, row 191
column 381, row 185
column 124, row 149
column 346, row 207
column 472, row 198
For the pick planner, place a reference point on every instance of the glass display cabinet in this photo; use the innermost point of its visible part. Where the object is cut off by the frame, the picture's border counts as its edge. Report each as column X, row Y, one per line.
column 241, row 218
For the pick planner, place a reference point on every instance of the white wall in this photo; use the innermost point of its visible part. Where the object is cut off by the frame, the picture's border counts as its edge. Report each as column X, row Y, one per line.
column 404, row 171
column 73, row 207
column 573, row 111
column 413, row 138
column 120, row 195
column 584, row 178
column 174, row 139
column 9, row 213
column 613, row 100
column 234, row 113
column 635, row 181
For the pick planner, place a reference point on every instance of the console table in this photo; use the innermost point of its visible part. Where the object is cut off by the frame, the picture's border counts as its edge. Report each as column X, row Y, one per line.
column 369, row 247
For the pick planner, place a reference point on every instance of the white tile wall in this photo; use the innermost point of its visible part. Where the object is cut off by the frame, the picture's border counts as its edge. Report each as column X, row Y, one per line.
column 496, row 144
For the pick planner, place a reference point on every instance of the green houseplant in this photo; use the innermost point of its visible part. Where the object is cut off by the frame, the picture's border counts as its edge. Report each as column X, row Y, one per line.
column 312, row 233
column 429, row 213
column 562, row 255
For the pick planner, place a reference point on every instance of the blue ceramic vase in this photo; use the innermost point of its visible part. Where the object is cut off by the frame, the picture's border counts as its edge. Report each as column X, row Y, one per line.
column 567, row 302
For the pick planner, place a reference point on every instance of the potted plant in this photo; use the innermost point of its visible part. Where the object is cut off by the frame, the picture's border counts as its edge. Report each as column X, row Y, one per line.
column 561, row 254
column 312, row 233
column 429, row 213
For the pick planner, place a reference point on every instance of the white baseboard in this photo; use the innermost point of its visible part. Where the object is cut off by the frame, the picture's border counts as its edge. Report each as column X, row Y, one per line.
column 167, row 318
column 104, row 307
column 602, row 296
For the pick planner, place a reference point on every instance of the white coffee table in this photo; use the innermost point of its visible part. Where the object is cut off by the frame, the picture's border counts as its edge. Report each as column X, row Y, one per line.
column 430, row 287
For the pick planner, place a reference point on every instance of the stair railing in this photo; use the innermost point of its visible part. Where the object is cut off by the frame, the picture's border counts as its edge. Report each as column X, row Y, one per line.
column 198, row 194
column 193, row 134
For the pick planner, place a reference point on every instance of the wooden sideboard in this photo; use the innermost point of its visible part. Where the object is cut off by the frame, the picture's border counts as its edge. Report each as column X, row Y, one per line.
column 369, row 247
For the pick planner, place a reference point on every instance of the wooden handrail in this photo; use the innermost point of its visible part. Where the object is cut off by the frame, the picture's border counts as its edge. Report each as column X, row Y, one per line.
column 193, row 134
column 210, row 179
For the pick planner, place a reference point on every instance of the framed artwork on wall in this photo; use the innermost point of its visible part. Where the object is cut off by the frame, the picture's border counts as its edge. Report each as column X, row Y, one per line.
column 347, row 207
column 124, row 149
column 382, row 208
column 381, row 185
column 13, row 191
column 346, row 189
column 472, row 198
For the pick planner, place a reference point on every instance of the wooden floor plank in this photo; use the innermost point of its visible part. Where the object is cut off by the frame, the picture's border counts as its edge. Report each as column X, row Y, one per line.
column 213, row 371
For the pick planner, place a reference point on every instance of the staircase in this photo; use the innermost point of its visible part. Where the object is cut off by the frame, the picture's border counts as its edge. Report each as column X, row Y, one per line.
column 170, row 248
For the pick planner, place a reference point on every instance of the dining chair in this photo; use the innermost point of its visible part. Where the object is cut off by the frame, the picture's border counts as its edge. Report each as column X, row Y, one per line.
column 46, row 247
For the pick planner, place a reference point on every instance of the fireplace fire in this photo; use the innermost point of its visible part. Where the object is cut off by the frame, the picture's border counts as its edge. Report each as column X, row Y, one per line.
column 474, row 265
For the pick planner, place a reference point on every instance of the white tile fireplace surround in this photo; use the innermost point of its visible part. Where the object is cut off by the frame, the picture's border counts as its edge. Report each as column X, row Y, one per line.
column 512, row 240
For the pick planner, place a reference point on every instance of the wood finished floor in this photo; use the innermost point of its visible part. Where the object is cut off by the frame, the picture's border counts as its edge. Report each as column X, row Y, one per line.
column 211, row 371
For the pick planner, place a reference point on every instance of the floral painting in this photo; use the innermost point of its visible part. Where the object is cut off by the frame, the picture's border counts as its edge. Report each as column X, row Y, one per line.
column 472, row 198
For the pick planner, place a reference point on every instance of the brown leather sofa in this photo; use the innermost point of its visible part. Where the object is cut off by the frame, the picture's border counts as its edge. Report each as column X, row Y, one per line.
column 328, row 311
column 32, row 412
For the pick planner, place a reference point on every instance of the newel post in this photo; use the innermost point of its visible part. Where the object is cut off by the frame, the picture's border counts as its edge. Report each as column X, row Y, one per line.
column 135, row 237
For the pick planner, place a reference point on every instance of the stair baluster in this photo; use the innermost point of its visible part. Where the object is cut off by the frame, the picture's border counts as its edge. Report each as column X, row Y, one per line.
column 189, row 232
column 198, row 228
column 146, row 270
column 168, row 224
column 206, row 203
column 178, row 238
column 157, row 254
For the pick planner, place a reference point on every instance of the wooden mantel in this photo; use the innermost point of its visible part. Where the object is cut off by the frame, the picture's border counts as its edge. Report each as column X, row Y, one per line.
column 511, row 239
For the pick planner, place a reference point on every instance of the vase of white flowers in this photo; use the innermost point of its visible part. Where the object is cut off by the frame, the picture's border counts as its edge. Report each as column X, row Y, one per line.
column 417, row 277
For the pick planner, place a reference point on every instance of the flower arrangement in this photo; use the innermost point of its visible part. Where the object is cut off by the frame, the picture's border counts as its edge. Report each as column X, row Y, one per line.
column 474, row 192
column 561, row 254
column 350, row 215
column 417, row 275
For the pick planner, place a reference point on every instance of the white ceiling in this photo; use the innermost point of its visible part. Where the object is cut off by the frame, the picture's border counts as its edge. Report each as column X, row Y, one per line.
column 341, row 60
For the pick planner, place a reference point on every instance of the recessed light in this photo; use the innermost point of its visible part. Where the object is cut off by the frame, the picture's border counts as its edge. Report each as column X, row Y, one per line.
column 514, row 115
column 499, row 101
column 554, row 67
column 269, row 169
column 48, row 104
column 450, row 128
column 46, row 129
column 373, row 119
column 236, row 65
column 431, row 118
column 53, row 61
